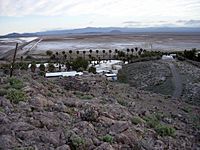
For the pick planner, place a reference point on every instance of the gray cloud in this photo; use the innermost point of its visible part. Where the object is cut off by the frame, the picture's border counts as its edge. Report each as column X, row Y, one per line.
column 189, row 21
column 147, row 23
column 180, row 23
column 131, row 22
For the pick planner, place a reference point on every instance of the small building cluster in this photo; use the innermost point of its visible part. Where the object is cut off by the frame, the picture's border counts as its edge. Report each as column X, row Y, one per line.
column 107, row 68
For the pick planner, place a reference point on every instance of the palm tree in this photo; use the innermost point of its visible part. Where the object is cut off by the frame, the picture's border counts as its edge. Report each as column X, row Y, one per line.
column 90, row 58
column 53, row 57
column 103, row 54
column 97, row 51
column 110, row 51
column 65, row 57
column 77, row 52
column 128, row 50
column 90, row 51
column 116, row 51
column 84, row 54
column 63, row 53
column 57, row 57
column 132, row 50
column 140, row 51
column 21, row 58
column 70, row 52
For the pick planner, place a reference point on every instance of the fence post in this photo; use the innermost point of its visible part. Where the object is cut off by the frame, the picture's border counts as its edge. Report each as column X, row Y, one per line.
column 13, row 62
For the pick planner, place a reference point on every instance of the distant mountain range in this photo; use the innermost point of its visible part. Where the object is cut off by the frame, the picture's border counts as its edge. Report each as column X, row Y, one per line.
column 109, row 30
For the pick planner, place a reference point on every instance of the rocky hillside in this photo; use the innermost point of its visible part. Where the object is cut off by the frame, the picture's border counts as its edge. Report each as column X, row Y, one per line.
column 89, row 113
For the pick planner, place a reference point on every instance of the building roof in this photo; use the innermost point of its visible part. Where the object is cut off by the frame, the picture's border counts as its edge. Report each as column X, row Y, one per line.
column 110, row 75
column 63, row 74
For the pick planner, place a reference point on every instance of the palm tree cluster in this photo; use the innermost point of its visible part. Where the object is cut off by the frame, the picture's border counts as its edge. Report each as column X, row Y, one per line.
column 98, row 55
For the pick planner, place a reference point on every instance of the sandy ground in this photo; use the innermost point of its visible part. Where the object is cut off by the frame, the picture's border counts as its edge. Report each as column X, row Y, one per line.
column 155, row 41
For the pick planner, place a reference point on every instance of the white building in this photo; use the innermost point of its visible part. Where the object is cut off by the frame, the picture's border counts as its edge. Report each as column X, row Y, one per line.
column 111, row 77
column 63, row 74
column 167, row 57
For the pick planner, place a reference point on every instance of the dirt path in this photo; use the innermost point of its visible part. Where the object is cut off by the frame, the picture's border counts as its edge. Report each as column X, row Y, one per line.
column 176, row 80
column 10, row 53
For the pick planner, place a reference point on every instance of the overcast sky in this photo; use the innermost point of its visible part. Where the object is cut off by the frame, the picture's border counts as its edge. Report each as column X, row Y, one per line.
column 39, row 15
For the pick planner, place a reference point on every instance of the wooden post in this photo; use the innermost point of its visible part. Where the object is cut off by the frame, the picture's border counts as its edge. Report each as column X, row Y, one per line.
column 13, row 62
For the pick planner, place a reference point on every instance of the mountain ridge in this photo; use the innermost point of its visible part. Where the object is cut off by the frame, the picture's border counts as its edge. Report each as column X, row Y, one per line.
column 103, row 30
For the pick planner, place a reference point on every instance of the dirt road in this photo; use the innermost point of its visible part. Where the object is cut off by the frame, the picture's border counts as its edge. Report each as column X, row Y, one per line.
column 178, row 87
column 9, row 53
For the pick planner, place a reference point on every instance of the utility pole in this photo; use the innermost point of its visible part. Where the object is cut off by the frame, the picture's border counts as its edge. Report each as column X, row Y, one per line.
column 13, row 62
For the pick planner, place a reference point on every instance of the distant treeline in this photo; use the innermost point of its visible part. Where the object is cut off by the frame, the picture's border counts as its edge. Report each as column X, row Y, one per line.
column 193, row 55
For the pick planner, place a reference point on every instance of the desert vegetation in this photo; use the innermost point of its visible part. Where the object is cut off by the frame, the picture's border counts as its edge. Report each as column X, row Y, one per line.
column 89, row 112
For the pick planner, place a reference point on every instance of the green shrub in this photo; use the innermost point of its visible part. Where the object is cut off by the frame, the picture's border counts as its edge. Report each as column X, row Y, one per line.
column 49, row 94
column 33, row 66
column 42, row 67
column 42, row 73
column 1, row 109
column 187, row 109
column 79, row 63
column 78, row 93
column 21, row 66
column 159, row 115
column 81, row 69
column 86, row 97
column 121, row 77
column 3, row 92
column 83, row 96
column 92, row 70
column 151, row 121
column 51, row 67
column 77, row 141
column 122, row 102
column 137, row 120
column 5, row 66
column 164, row 130
column 107, row 138
column 121, row 54
column 15, row 83
column 49, row 53
column 16, row 95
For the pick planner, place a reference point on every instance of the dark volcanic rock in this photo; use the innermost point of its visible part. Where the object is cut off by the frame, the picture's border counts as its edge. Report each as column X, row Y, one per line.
column 89, row 115
column 71, row 83
column 8, row 142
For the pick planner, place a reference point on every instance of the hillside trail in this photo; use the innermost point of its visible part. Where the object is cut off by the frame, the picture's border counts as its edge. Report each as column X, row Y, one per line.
column 178, row 86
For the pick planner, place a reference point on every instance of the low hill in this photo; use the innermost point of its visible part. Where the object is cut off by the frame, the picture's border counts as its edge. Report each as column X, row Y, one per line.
column 88, row 112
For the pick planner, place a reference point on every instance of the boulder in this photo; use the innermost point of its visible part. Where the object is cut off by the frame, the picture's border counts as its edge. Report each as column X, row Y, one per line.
column 21, row 126
column 63, row 147
column 119, row 126
column 8, row 142
column 129, row 137
column 4, row 118
column 55, row 138
column 104, row 146
column 89, row 115
column 85, row 128
column 39, row 101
